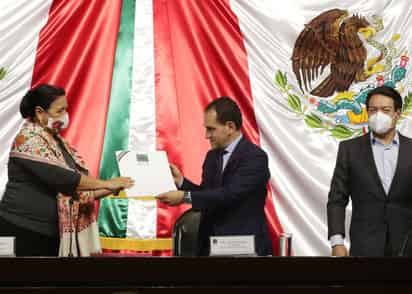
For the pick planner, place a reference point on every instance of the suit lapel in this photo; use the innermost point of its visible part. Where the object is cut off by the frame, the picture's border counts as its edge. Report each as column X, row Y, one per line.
column 402, row 159
column 370, row 162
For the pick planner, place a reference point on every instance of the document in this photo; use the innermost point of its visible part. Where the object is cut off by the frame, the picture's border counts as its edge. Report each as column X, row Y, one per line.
column 149, row 170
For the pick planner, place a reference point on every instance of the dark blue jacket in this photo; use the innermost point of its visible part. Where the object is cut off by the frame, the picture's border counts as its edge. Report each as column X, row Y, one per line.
column 233, row 203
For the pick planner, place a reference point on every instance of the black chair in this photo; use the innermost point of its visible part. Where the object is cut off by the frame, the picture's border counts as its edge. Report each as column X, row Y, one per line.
column 185, row 233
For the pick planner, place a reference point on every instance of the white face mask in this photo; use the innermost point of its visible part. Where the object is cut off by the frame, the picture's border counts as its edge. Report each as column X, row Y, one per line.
column 380, row 122
column 59, row 123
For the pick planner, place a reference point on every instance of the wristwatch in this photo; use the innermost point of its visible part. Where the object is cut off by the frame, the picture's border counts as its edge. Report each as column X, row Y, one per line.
column 187, row 198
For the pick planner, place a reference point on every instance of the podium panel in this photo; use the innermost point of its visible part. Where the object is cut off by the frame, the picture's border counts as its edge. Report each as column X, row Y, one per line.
column 129, row 275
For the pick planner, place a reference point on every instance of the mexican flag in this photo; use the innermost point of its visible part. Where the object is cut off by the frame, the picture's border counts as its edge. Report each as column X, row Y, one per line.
column 138, row 75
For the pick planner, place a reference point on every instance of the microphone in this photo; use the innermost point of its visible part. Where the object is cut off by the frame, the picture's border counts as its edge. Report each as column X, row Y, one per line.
column 71, row 231
column 404, row 244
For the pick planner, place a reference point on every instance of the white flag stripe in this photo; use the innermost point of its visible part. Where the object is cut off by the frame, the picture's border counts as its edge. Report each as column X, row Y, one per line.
column 142, row 133
column 21, row 22
column 141, row 219
column 142, row 215
column 301, row 159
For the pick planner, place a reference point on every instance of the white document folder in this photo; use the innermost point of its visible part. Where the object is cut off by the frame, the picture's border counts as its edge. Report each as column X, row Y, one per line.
column 149, row 170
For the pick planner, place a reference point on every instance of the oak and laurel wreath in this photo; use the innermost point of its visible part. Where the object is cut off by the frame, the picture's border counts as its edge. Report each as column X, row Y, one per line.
column 314, row 121
column 2, row 73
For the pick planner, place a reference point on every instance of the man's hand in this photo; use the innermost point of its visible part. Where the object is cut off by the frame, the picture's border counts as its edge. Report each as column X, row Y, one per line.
column 177, row 175
column 171, row 198
column 339, row 250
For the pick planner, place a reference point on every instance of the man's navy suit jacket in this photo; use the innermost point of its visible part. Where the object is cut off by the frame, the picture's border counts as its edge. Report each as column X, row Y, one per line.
column 232, row 202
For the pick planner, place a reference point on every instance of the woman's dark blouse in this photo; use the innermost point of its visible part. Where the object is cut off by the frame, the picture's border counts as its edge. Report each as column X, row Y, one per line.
column 30, row 198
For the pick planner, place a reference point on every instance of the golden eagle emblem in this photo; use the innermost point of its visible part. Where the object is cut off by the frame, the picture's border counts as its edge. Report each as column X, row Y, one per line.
column 332, row 39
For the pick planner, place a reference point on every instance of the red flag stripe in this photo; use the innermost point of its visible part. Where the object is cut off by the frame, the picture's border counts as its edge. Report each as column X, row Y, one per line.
column 199, row 56
column 76, row 51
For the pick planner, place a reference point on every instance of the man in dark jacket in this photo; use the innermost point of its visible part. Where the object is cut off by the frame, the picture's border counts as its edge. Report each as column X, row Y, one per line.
column 374, row 171
column 232, row 194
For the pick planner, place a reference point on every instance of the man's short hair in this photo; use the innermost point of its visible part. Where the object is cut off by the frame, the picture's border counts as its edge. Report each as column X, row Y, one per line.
column 388, row 92
column 226, row 110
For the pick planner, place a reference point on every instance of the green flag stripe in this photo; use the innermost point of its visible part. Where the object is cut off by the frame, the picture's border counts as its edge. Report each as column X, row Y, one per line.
column 117, row 125
column 112, row 211
column 113, row 215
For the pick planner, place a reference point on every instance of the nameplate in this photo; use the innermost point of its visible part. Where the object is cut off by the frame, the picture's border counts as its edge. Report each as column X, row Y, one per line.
column 232, row 245
column 7, row 246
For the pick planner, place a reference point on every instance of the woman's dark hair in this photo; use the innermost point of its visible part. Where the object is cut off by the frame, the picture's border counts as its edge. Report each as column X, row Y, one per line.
column 226, row 110
column 42, row 95
column 388, row 92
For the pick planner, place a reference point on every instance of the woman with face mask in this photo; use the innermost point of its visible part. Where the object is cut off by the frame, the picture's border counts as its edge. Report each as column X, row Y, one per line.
column 48, row 203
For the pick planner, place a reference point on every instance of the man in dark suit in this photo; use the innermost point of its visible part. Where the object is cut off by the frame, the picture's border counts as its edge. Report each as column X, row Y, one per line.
column 374, row 171
column 232, row 194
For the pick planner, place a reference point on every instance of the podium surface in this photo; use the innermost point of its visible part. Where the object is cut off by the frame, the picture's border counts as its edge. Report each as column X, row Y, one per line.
column 184, row 274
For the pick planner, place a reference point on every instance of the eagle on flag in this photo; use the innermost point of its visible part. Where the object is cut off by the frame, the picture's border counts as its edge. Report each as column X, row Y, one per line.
column 332, row 39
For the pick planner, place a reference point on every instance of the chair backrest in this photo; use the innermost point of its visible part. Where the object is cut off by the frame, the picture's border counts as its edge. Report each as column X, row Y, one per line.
column 185, row 233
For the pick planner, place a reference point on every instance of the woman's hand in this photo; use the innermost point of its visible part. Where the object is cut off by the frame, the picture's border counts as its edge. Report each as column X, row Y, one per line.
column 114, row 185
column 119, row 183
